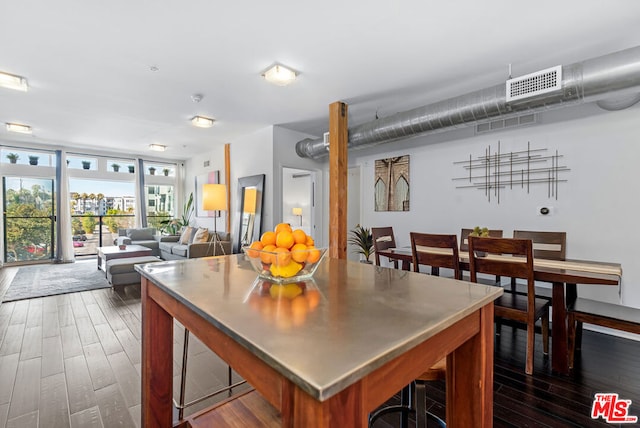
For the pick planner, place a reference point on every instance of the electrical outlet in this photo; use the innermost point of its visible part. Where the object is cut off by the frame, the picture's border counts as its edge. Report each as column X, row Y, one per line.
column 546, row 211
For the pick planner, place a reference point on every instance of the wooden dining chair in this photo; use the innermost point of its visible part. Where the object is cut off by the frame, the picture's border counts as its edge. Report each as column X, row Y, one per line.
column 383, row 239
column 464, row 248
column 435, row 251
column 546, row 245
column 491, row 256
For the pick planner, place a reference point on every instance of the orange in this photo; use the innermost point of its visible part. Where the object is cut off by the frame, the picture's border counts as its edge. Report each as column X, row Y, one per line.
column 268, row 238
column 284, row 239
column 267, row 257
column 310, row 242
column 314, row 255
column 282, row 226
column 313, row 298
column 254, row 251
column 299, row 253
column 282, row 258
column 299, row 236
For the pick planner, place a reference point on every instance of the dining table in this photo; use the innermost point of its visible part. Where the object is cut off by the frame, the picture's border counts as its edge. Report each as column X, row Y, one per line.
column 564, row 276
column 365, row 333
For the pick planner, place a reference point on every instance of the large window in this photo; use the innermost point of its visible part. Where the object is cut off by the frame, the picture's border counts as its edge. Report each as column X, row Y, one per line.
column 160, row 204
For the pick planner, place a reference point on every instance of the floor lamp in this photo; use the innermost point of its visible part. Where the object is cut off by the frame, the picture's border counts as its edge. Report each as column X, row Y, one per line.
column 214, row 198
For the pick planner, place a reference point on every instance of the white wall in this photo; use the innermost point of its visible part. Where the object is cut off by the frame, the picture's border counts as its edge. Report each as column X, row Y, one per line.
column 249, row 155
column 598, row 207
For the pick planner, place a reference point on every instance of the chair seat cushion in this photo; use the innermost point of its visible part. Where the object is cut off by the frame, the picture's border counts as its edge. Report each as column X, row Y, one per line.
column 180, row 250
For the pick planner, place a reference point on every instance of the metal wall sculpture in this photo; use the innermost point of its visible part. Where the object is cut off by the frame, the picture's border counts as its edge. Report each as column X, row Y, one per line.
column 392, row 184
column 498, row 171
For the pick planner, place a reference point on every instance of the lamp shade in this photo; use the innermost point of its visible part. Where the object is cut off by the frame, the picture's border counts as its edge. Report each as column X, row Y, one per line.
column 214, row 197
column 250, row 196
column 297, row 211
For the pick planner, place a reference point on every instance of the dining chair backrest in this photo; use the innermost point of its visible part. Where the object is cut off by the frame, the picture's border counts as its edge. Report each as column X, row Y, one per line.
column 490, row 256
column 464, row 234
column 546, row 245
column 383, row 239
column 437, row 251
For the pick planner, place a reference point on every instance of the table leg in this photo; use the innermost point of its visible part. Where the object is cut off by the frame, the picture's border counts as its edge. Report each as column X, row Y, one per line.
column 157, row 362
column 470, row 377
column 559, row 347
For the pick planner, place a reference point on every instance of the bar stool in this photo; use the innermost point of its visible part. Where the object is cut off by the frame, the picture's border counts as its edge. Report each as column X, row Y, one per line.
column 181, row 405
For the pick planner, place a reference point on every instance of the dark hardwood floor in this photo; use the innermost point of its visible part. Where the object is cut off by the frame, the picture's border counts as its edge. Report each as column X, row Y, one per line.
column 74, row 361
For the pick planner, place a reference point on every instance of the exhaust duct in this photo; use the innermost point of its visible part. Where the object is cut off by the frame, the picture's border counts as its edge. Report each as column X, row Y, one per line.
column 608, row 77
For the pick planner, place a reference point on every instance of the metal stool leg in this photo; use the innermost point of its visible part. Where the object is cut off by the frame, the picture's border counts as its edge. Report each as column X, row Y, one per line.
column 183, row 379
column 181, row 405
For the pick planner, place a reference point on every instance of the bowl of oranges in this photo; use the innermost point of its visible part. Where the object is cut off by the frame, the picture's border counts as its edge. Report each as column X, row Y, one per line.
column 284, row 255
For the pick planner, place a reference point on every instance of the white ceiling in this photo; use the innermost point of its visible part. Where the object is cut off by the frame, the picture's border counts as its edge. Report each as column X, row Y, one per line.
column 88, row 62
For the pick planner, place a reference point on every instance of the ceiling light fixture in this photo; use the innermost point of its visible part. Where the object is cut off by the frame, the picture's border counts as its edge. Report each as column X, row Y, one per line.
column 280, row 75
column 202, row 122
column 16, row 127
column 157, row 147
column 12, row 81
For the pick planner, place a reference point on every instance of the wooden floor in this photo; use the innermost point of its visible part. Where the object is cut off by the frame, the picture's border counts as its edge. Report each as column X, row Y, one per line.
column 74, row 361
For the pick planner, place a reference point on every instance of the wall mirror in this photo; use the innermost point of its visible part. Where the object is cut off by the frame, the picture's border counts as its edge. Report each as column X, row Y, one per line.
column 248, row 219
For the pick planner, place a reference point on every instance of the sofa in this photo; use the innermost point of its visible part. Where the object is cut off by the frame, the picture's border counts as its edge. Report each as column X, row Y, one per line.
column 183, row 247
column 145, row 236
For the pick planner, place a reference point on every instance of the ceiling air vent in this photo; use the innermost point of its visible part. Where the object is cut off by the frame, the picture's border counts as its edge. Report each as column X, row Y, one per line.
column 533, row 84
column 496, row 125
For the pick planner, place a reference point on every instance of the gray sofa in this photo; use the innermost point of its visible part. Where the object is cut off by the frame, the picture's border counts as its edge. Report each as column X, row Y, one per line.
column 170, row 249
column 146, row 236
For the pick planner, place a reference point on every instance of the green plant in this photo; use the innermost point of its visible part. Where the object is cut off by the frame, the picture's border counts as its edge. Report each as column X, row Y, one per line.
column 13, row 157
column 362, row 238
column 86, row 164
column 33, row 160
column 173, row 225
column 131, row 169
column 166, row 171
column 482, row 232
column 115, row 167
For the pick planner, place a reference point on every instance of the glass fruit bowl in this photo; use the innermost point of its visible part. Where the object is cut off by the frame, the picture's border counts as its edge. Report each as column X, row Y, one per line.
column 284, row 266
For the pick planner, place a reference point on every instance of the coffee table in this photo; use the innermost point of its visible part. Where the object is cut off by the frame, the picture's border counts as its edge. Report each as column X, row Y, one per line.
column 114, row 252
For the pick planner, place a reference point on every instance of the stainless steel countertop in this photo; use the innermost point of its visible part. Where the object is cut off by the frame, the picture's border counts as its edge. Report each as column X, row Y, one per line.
column 366, row 314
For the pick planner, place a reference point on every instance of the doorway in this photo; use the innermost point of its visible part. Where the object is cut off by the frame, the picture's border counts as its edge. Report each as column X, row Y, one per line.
column 29, row 220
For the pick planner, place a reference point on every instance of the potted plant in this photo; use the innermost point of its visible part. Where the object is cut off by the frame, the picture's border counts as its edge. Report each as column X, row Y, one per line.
column 166, row 172
column 174, row 225
column 115, row 167
column 33, row 160
column 131, row 169
column 362, row 238
column 13, row 157
column 86, row 164
column 152, row 171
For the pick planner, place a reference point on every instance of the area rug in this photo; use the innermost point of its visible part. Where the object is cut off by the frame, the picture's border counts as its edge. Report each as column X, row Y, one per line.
column 52, row 279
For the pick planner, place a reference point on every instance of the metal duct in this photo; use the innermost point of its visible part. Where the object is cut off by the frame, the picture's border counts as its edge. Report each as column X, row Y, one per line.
column 609, row 76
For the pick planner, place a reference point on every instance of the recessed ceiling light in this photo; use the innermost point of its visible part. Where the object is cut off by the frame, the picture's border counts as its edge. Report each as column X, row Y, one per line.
column 16, row 127
column 280, row 75
column 157, row 147
column 12, row 81
column 202, row 122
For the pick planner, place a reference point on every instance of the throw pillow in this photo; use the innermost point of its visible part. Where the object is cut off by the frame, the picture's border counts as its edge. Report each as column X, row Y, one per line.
column 185, row 237
column 143, row 234
column 201, row 235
